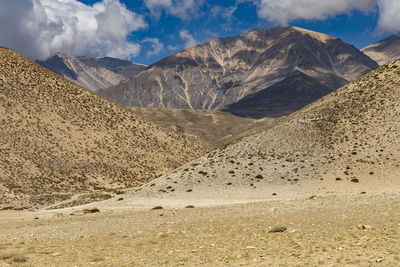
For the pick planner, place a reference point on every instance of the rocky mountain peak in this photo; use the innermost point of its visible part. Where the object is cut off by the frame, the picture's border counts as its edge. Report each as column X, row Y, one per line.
column 385, row 50
column 219, row 73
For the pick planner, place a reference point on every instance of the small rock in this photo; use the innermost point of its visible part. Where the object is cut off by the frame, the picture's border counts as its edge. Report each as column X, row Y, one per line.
column 364, row 227
column 272, row 209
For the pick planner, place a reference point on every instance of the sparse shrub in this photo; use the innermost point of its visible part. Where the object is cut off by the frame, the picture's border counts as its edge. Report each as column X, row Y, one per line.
column 14, row 257
column 278, row 229
column 355, row 180
column 259, row 177
column 157, row 208
column 92, row 210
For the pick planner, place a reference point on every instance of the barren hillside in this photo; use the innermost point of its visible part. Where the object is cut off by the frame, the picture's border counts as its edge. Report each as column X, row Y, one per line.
column 58, row 139
column 349, row 141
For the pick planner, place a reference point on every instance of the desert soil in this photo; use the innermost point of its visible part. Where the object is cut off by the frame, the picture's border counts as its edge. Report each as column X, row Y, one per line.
column 321, row 231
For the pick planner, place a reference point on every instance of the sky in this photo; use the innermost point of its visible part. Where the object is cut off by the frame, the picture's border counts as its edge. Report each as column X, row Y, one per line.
column 146, row 31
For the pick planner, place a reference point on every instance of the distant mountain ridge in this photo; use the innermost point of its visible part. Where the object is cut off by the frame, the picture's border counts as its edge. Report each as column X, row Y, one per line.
column 385, row 50
column 92, row 73
column 224, row 71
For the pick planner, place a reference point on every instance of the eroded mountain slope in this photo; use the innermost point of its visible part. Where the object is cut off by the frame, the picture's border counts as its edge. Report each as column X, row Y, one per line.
column 217, row 74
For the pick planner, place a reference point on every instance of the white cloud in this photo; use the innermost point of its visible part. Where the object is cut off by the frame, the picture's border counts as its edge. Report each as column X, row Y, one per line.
column 220, row 11
column 40, row 28
column 184, row 9
column 188, row 38
column 284, row 11
column 172, row 47
column 389, row 15
column 156, row 45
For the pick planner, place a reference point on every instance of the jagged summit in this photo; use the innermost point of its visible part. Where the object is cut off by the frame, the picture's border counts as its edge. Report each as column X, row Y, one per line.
column 219, row 73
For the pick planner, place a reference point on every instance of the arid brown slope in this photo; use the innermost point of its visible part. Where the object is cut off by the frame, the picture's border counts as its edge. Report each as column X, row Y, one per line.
column 216, row 128
column 349, row 141
column 57, row 138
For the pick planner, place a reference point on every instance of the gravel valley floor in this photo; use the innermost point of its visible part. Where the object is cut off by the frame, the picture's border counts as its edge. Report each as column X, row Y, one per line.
column 321, row 231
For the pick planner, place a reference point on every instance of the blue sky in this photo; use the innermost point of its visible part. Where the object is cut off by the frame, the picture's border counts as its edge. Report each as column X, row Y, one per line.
column 147, row 30
column 355, row 27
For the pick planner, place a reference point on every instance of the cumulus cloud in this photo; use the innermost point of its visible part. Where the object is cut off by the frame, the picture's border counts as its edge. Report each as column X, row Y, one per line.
column 188, row 38
column 183, row 9
column 40, row 28
column 220, row 11
column 156, row 45
column 389, row 15
column 284, row 11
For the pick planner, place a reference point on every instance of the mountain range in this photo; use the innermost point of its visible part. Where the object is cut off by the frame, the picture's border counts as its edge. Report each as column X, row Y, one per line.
column 247, row 74
column 91, row 73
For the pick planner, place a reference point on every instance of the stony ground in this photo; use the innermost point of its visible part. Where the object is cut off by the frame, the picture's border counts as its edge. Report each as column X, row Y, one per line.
column 321, row 231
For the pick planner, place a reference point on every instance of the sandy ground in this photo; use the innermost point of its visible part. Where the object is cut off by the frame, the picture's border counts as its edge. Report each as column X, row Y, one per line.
column 322, row 231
